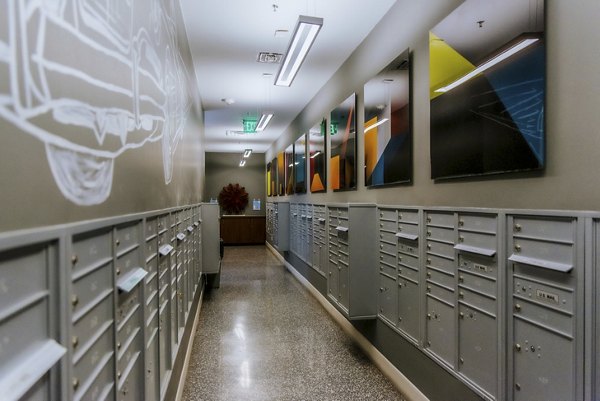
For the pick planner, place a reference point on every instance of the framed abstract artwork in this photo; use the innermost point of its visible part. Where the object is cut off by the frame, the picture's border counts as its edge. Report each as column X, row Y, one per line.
column 387, row 130
column 289, row 170
column 487, row 89
column 317, row 144
column 269, row 188
column 300, row 164
column 274, row 174
column 342, row 164
column 281, row 174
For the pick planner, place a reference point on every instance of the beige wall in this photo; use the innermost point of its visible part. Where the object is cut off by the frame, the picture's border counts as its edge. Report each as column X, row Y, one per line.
column 570, row 180
column 30, row 193
column 223, row 169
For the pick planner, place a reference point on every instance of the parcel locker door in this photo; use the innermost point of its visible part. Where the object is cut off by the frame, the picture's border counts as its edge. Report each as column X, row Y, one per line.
column 543, row 364
column 344, row 297
column 478, row 348
column 388, row 298
column 408, row 308
column 333, row 279
column 164, row 356
column 152, row 367
column 441, row 330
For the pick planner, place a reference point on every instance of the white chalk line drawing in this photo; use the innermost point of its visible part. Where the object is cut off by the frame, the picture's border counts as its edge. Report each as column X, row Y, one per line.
column 145, row 88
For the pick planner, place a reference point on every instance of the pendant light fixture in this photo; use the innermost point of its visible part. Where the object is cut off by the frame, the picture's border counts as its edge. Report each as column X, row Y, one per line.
column 304, row 36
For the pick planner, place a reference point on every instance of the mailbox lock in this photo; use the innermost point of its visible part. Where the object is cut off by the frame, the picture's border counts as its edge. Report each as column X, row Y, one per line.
column 517, row 227
column 461, row 315
column 461, row 294
column 517, row 307
column 518, row 347
column 380, row 289
column 118, row 242
column 75, row 383
column 461, row 360
column 428, row 246
column 517, row 248
column 75, row 341
column 74, row 300
column 118, row 375
column 399, row 285
column 429, row 316
column 74, row 259
column 118, row 271
column 429, row 233
column 428, row 274
column 461, row 239
column 429, row 219
column 400, row 216
column 428, row 288
column 461, row 279
column 517, row 386
column 461, row 223
column 119, row 345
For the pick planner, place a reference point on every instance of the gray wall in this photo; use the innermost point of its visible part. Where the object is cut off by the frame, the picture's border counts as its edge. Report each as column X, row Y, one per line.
column 223, row 169
column 570, row 180
column 52, row 124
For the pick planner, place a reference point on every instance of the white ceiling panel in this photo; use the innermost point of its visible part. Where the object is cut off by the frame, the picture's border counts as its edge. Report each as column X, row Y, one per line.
column 225, row 38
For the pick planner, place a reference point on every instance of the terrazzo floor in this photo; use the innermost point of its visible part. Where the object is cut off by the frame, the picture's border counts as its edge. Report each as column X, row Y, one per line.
column 262, row 336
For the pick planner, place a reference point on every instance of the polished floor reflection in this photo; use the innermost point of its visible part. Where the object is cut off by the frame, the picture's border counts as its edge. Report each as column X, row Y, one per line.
column 262, row 336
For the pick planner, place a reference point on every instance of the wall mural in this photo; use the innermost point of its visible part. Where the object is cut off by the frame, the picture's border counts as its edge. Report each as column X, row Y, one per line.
column 343, row 145
column 318, row 157
column 88, row 116
column 487, row 77
column 388, row 135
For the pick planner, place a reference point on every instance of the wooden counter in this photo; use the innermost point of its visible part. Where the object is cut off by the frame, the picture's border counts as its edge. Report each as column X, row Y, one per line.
column 243, row 229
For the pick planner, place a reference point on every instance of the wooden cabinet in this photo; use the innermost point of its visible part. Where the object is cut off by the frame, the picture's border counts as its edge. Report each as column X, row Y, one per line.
column 238, row 230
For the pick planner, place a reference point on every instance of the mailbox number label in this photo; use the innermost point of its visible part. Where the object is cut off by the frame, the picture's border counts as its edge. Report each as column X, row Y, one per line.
column 547, row 296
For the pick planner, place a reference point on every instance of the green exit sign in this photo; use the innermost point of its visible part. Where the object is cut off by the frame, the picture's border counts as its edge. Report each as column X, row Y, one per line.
column 249, row 124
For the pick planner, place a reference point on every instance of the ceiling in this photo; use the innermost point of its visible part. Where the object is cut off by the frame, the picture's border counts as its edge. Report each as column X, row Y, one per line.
column 225, row 38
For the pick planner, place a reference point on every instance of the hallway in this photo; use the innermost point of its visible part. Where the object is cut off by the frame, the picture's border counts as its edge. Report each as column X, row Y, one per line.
column 262, row 336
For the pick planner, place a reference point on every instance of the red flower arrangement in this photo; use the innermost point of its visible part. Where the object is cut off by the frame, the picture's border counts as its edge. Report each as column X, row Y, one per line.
column 233, row 199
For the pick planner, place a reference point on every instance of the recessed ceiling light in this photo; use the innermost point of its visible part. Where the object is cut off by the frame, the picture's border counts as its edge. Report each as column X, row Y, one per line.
column 228, row 100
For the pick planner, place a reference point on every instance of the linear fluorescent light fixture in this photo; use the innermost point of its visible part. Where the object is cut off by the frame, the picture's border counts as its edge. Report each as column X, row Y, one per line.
column 247, row 153
column 305, row 33
column 489, row 64
column 377, row 124
column 263, row 122
column 242, row 162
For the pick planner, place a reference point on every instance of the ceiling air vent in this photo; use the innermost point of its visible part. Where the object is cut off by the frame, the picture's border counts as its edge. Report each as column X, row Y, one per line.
column 271, row 58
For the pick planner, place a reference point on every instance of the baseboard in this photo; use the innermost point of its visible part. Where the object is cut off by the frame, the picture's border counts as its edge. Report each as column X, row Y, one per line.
column 275, row 252
column 405, row 386
column 186, row 363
